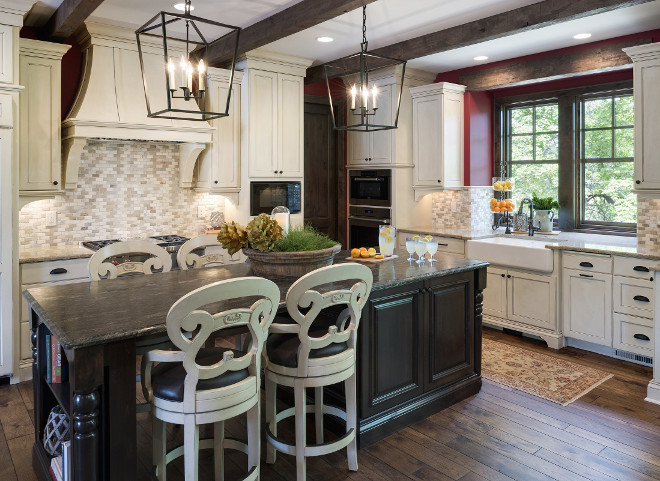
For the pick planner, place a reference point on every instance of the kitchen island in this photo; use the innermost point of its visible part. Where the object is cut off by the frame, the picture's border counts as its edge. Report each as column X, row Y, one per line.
column 419, row 351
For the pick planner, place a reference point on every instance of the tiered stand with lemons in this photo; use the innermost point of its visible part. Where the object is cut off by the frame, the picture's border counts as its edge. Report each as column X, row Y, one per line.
column 501, row 203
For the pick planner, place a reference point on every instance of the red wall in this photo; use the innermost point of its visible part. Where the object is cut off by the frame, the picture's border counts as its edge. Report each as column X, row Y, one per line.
column 479, row 104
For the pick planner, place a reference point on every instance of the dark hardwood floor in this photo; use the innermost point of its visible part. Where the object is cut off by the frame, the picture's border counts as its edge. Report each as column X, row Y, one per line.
column 498, row 435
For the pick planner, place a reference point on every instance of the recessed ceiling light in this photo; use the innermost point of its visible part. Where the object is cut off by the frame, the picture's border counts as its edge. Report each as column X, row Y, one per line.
column 581, row 36
column 481, row 58
column 182, row 7
column 325, row 39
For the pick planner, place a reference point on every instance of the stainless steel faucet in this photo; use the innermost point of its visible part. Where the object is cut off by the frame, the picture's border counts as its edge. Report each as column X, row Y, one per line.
column 532, row 228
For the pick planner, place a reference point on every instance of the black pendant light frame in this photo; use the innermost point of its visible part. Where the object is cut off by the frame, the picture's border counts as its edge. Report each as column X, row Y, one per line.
column 200, row 53
column 347, row 66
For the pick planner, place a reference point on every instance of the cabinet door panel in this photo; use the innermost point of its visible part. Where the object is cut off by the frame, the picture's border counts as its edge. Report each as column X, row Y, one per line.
column 427, row 141
column 587, row 300
column 452, row 141
column 647, row 115
column 291, row 124
column 6, row 53
column 263, row 123
column 358, row 148
column 449, row 347
column 381, row 140
column 495, row 293
column 391, row 350
column 532, row 299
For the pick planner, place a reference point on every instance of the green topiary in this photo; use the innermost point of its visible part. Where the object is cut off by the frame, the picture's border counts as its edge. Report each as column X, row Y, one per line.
column 544, row 203
column 301, row 239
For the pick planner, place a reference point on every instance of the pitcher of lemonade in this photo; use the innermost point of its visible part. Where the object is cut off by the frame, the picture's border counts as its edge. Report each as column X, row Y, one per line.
column 386, row 237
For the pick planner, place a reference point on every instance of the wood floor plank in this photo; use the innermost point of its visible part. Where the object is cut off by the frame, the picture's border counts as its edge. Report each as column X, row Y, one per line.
column 636, row 464
column 408, row 465
column 20, row 449
column 7, row 471
column 14, row 417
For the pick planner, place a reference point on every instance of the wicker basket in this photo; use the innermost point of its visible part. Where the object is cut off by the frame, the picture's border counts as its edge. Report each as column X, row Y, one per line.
column 290, row 264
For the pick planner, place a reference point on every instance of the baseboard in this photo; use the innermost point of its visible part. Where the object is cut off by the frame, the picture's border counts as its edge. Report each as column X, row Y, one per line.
column 653, row 392
column 554, row 340
column 590, row 346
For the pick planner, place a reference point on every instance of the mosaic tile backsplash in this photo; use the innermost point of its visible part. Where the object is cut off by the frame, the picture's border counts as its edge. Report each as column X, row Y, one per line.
column 125, row 190
column 462, row 209
column 648, row 222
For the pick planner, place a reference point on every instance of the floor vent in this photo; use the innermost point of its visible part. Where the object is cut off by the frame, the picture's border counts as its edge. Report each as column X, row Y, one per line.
column 630, row 356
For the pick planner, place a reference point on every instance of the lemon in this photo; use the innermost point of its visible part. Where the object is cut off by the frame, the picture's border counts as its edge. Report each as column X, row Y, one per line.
column 372, row 252
column 389, row 238
column 416, row 237
column 385, row 231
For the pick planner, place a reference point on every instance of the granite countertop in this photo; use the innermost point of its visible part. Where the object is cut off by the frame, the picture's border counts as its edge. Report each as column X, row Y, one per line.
column 57, row 253
column 602, row 244
column 456, row 233
column 90, row 313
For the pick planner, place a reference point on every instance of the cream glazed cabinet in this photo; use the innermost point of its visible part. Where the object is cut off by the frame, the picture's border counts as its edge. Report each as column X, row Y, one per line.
column 40, row 116
column 272, row 114
column 218, row 169
column 438, row 132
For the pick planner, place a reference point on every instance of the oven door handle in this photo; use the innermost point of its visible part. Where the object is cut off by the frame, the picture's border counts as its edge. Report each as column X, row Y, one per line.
column 369, row 219
column 368, row 179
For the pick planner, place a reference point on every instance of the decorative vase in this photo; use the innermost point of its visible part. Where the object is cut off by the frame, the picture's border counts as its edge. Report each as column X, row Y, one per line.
column 543, row 218
column 289, row 264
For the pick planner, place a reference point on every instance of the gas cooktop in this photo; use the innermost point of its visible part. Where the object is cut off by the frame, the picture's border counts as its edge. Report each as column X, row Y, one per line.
column 99, row 244
column 170, row 242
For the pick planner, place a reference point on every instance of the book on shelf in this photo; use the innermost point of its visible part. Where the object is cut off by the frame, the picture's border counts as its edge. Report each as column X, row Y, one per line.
column 48, row 359
column 56, row 468
column 59, row 364
column 66, row 460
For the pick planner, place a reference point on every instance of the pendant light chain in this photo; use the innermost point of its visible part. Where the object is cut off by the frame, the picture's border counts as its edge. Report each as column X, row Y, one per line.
column 364, row 28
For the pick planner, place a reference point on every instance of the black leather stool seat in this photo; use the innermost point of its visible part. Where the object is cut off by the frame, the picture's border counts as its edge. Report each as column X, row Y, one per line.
column 283, row 348
column 167, row 378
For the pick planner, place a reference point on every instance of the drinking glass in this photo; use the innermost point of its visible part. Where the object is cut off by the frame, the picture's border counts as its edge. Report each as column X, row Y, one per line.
column 420, row 248
column 386, row 236
column 432, row 248
column 410, row 247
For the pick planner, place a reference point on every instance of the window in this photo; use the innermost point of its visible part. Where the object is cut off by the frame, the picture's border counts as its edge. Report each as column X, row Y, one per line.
column 575, row 146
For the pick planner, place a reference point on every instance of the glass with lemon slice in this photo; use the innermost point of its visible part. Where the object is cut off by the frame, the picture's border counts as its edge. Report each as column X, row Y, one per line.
column 386, row 236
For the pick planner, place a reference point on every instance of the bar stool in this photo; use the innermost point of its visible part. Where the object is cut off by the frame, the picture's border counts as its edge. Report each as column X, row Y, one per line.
column 187, row 259
column 157, row 260
column 300, row 355
column 196, row 386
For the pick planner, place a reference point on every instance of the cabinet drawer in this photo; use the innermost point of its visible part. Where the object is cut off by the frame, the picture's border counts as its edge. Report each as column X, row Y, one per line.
column 588, row 262
column 631, row 334
column 450, row 245
column 40, row 272
column 631, row 267
column 633, row 296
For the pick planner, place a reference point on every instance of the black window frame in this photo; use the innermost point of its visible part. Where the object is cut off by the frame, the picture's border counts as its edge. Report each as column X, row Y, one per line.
column 570, row 185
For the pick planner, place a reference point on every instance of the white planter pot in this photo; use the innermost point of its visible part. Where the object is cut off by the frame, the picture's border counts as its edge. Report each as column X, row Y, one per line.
column 543, row 218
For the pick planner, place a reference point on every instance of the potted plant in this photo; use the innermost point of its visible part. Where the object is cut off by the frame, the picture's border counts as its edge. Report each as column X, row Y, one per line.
column 544, row 211
column 272, row 253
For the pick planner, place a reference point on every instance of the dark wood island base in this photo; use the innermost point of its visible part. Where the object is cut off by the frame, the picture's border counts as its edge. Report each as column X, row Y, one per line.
column 419, row 352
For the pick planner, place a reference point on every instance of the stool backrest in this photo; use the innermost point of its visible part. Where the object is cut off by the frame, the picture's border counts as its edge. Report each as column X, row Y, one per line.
column 303, row 295
column 195, row 314
column 159, row 260
column 186, row 259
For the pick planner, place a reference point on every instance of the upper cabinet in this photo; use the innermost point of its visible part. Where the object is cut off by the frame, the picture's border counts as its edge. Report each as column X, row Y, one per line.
column 387, row 148
column 437, row 137
column 40, row 73
column 7, row 42
column 646, row 68
column 273, row 114
column 218, row 169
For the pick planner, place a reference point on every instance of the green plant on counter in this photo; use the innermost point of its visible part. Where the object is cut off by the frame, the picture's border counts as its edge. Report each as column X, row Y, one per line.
column 544, row 203
column 301, row 239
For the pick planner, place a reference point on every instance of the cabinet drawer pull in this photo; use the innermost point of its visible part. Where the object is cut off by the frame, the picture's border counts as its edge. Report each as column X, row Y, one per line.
column 640, row 269
column 59, row 270
column 641, row 298
column 586, row 275
column 443, row 245
column 586, row 264
column 642, row 337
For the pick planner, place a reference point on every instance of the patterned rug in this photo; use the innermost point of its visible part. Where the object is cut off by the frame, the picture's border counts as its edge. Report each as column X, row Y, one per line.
column 543, row 376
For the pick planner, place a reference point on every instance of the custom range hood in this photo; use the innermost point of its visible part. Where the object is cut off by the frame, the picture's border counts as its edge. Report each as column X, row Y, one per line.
column 110, row 103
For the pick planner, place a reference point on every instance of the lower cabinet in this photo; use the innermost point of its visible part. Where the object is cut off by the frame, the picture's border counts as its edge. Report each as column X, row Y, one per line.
column 587, row 299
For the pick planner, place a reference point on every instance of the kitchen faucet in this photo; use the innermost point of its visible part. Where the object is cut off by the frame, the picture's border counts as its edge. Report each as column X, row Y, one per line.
column 532, row 229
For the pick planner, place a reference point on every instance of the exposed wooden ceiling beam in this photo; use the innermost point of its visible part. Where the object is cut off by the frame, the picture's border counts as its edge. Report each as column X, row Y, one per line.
column 583, row 62
column 294, row 19
column 523, row 19
column 69, row 16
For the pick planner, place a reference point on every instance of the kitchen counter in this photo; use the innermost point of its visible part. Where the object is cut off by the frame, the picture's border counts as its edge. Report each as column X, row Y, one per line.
column 52, row 253
column 458, row 233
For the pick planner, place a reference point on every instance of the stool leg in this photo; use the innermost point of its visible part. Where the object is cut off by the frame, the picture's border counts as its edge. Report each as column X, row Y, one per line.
column 159, row 447
column 351, row 422
column 301, row 429
column 254, row 438
column 219, row 450
column 318, row 413
column 190, row 447
column 271, row 411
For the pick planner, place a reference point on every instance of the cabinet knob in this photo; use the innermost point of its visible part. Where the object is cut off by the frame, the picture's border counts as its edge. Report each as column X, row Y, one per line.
column 638, row 182
column 215, row 182
column 439, row 181
column 509, row 276
column 281, row 172
column 274, row 172
column 55, row 182
column 502, row 275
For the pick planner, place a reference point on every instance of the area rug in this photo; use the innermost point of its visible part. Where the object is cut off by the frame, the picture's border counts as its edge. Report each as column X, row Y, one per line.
column 543, row 376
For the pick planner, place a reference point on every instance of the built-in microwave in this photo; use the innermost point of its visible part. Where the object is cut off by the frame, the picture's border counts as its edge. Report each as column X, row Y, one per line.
column 264, row 196
column 370, row 187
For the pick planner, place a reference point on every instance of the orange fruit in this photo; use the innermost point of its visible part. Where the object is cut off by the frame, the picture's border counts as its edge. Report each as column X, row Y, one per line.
column 379, row 256
column 502, row 203
column 363, row 249
column 355, row 252
column 364, row 254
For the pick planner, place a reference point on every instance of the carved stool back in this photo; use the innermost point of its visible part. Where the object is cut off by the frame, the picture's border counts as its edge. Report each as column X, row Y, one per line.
column 187, row 259
column 100, row 268
column 300, row 355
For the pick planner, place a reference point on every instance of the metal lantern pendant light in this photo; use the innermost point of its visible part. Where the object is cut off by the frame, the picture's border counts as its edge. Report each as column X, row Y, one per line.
column 181, row 39
column 362, row 94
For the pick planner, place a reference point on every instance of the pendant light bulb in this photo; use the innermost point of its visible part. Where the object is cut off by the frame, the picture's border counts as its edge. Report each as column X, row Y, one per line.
column 201, row 69
column 353, row 95
column 374, row 93
column 365, row 98
column 171, row 69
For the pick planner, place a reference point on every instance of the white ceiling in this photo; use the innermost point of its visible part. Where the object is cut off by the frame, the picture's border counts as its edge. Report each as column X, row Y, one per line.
column 390, row 21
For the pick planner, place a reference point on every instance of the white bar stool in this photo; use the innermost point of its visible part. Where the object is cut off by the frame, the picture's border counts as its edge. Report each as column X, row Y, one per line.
column 187, row 259
column 196, row 386
column 301, row 356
